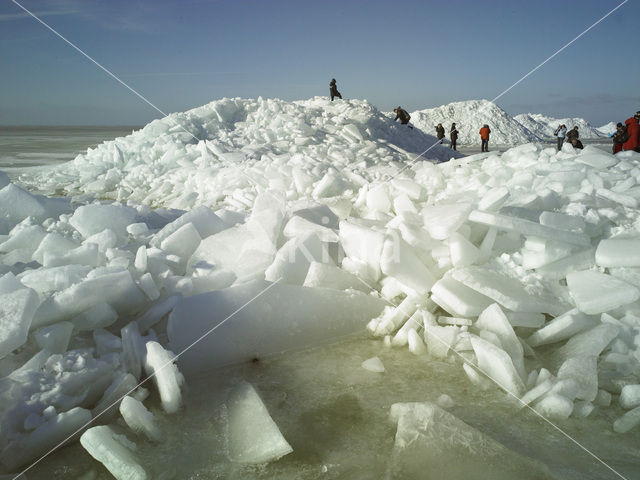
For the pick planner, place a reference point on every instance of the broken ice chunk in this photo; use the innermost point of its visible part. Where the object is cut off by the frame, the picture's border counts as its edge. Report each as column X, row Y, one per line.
column 630, row 396
column 584, row 371
column 596, row 292
column 253, row 436
column 373, row 364
column 555, row 406
column 139, row 419
column 54, row 338
column 17, row 309
column 113, row 451
column 562, row 327
column 497, row 364
column 159, row 363
column 444, row 219
column 527, row 227
column 618, row 252
column 507, row 291
column 50, row 433
column 458, row 299
column 628, row 421
column 426, row 436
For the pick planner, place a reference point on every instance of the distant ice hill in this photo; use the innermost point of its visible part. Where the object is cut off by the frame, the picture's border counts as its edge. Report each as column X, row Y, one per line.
column 544, row 126
column 607, row 129
column 469, row 117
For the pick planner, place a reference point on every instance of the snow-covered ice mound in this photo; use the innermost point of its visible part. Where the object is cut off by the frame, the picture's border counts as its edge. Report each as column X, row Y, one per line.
column 220, row 154
column 523, row 265
column 469, row 117
column 544, row 126
column 608, row 129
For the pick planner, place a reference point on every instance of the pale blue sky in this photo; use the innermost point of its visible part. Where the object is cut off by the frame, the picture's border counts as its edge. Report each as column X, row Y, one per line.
column 182, row 54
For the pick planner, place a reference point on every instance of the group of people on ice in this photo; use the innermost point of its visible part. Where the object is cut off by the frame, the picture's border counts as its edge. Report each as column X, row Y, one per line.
column 572, row 136
column 626, row 137
column 404, row 117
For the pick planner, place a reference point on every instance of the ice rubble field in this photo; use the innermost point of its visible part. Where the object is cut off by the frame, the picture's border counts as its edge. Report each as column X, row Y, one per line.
column 303, row 221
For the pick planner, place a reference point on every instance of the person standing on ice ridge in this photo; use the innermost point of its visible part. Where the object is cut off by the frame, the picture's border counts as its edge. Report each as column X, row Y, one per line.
column 403, row 115
column 333, row 90
column 633, row 130
column 453, row 135
column 484, row 137
column 573, row 133
column 560, row 132
column 440, row 132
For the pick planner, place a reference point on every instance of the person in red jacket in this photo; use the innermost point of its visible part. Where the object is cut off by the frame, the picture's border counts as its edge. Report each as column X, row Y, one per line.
column 484, row 136
column 633, row 130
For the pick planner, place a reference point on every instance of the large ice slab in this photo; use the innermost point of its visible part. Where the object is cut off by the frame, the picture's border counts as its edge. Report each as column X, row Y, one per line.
column 260, row 318
column 614, row 252
column 362, row 244
column 527, row 227
column 596, row 292
column 253, row 437
column 427, row 436
column 16, row 314
column 94, row 218
column 562, row 327
column 508, row 292
column 400, row 262
column 444, row 219
column 458, row 299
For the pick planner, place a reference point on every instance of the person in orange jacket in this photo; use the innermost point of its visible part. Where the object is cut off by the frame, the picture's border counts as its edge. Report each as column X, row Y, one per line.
column 633, row 130
column 484, row 136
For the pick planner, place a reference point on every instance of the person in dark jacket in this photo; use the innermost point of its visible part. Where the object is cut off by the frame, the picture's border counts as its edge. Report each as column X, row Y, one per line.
column 403, row 115
column 333, row 90
column 619, row 137
column 440, row 132
column 453, row 135
column 484, row 137
column 633, row 130
column 573, row 133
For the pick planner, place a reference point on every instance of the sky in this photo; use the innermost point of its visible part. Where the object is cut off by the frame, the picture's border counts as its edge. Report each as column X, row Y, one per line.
column 417, row 54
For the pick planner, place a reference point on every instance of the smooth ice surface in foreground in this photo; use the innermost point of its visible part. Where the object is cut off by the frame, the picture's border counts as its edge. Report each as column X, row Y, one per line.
column 426, row 434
